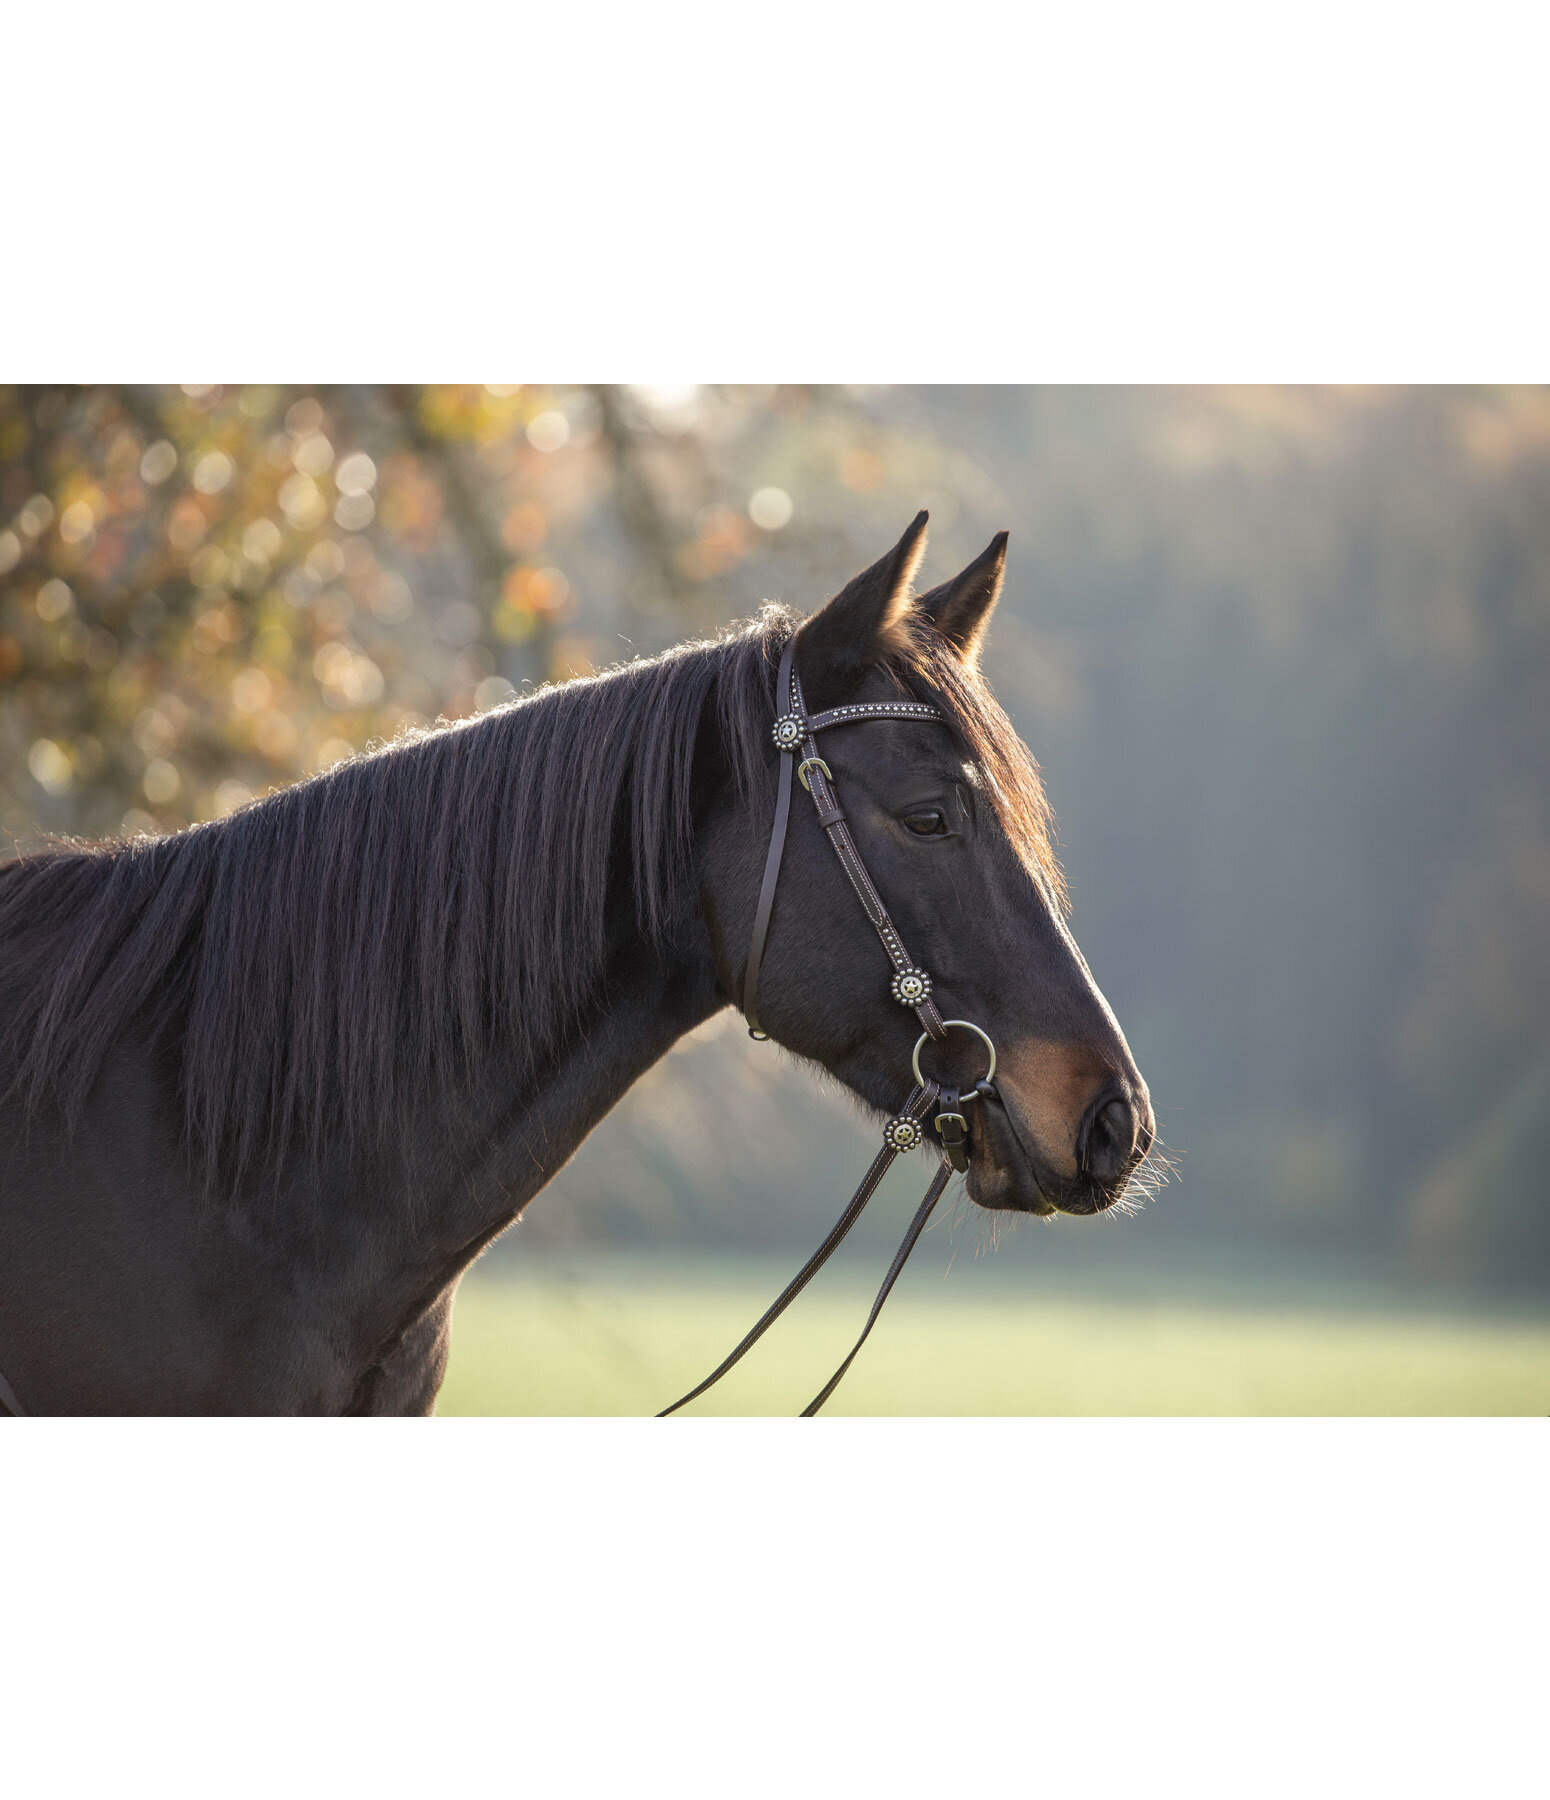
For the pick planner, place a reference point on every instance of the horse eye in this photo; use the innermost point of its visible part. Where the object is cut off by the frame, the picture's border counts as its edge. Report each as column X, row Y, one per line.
column 926, row 824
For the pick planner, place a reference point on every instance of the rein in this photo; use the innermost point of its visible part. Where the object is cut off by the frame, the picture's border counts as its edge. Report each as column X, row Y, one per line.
column 796, row 734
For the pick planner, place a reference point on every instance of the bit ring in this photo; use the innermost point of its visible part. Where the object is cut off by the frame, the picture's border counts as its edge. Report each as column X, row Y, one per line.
column 965, row 1025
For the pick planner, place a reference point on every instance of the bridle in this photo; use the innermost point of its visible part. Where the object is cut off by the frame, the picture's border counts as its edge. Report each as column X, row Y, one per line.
column 796, row 738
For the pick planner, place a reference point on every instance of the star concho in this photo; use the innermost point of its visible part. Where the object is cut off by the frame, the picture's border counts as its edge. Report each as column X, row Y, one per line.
column 903, row 1133
column 788, row 731
column 912, row 987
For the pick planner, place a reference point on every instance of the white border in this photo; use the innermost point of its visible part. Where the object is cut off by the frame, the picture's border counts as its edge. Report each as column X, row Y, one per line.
column 723, row 1607
column 818, row 192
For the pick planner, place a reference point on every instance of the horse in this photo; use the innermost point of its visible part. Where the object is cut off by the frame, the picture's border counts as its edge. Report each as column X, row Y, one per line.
column 269, row 1085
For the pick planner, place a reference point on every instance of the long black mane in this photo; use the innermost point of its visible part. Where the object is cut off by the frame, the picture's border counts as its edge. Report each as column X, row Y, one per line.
column 327, row 957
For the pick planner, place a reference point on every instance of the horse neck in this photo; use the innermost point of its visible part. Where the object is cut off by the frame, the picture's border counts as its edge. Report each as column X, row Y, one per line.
column 469, row 1162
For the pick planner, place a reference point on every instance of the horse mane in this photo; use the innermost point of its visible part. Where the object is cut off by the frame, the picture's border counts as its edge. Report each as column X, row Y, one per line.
column 323, row 960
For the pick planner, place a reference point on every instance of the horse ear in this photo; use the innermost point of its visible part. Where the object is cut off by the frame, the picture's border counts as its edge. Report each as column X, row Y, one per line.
column 960, row 609
column 859, row 625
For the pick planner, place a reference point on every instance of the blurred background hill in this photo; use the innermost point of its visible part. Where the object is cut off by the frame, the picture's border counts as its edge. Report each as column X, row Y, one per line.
column 1283, row 654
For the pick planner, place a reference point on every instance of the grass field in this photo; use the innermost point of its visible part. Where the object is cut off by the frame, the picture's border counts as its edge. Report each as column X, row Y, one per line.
column 628, row 1340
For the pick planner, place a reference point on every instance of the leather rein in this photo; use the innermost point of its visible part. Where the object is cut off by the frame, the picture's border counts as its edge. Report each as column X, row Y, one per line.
column 796, row 738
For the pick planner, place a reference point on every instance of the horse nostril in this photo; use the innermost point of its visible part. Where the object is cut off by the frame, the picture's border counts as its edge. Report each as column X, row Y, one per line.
column 1108, row 1144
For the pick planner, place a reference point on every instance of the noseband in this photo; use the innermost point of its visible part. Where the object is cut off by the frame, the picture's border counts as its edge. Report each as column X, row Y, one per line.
column 796, row 738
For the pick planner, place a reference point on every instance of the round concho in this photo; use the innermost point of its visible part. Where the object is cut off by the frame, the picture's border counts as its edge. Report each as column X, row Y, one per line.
column 912, row 987
column 788, row 731
column 903, row 1133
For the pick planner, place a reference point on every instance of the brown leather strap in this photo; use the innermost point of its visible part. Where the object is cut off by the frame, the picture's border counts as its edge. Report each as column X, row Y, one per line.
column 832, row 818
column 911, row 1238
column 918, row 1105
column 761, row 917
column 871, row 709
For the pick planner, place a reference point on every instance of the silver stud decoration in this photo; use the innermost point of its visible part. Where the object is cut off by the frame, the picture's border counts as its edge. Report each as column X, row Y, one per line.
column 789, row 731
column 903, row 1133
column 885, row 709
column 912, row 987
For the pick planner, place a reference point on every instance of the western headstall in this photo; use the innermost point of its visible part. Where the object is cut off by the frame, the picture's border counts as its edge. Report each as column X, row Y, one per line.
column 796, row 737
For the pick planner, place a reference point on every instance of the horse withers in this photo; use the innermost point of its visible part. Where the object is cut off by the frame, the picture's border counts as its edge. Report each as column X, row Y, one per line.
column 272, row 1083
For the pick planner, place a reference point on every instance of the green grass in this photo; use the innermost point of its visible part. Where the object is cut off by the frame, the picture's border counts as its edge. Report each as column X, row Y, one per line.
column 628, row 1341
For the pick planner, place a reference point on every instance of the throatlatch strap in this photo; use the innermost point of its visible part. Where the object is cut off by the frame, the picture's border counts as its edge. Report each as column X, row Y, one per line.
column 761, row 918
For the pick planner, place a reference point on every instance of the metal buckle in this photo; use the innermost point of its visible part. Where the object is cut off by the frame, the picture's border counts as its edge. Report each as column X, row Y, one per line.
column 810, row 762
column 953, row 1129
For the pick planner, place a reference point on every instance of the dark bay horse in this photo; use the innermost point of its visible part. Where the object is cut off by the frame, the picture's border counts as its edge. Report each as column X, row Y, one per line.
column 271, row 1084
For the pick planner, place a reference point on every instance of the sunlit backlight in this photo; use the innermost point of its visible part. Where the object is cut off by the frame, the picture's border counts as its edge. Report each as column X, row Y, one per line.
column 230, row 795
column 333, row 751
column 325, row 560
column 154, row 732
column 186, row 524
column 770, row 508
column 391, row 598
column 302, row 502
column 215, row 627
column 276, row 736
column 549, row 431
column 673, row 409
column 50, row 766
column 158, row 463
column 354, row 512
column 348, row 677
column 303, row 416
column 313, row 454
column 210, row 567
column 357, row 474
column 494, row 690
column 10, row 551
column 213, row 472
column 262, row 542
column 37, row 515
column 77, row 523
column 548, row 591
column 161, row 781
column 251, row 691
column 54, row 602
